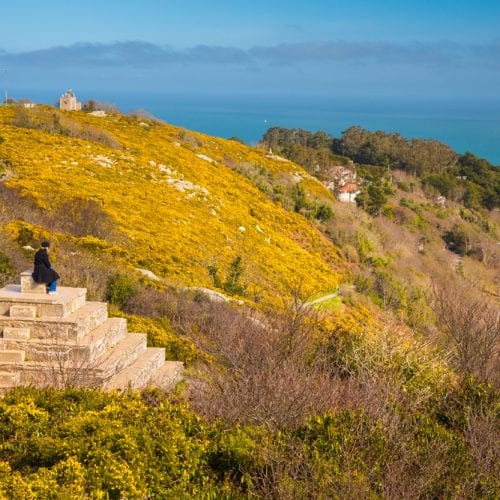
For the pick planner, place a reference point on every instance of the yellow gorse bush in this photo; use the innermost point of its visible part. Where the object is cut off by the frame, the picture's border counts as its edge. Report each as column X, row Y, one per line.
column 176, row 197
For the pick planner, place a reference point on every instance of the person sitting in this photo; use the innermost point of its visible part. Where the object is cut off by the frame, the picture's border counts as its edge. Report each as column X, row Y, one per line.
column 43, row 272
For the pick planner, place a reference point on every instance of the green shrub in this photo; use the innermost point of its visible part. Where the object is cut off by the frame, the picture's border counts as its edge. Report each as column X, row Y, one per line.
column 364, row 246
column 323, row 212
column 88, row 444
column 458, row 240
column 388, row 211
column 213, row 271
column 373, row 198
column 25, row 236
column 5, row 265
column 363, row 283
column 404, row 186
column 232, row 284
column 120, row 288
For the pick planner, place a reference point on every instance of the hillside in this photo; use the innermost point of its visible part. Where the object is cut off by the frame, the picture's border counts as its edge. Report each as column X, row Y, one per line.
column 359, row 355
column 177, row 198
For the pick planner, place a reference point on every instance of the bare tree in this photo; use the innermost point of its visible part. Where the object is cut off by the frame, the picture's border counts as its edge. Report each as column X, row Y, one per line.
column 471, row 322
column 263, row 371
column 482, row 437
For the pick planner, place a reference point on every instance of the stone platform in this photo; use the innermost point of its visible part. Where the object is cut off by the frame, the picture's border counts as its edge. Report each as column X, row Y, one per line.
column 63, row 340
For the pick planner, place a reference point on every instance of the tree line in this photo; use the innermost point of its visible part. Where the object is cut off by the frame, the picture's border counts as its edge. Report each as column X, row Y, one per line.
column 466, row 178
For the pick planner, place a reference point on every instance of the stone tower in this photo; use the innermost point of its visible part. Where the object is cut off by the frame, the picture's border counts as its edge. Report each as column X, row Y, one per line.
column 68, row 102
column 64, row 340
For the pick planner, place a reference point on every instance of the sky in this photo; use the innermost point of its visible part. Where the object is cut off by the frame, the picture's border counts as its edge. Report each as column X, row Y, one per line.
column 352, row 48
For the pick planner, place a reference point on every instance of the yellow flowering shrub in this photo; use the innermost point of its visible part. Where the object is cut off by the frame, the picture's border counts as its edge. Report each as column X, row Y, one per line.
column 160, row 334
column 104, row 446
column 174, row 197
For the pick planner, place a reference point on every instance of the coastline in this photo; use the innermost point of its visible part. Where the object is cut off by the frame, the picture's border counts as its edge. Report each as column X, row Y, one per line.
column 465, row 125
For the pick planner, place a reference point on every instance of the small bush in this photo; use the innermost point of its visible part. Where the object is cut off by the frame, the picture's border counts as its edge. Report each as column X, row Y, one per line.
column 404, row 186
column 363, row 283
column 6, row 269
column 458, row 240
column 25, row 236
column 323, row 212
column 232, row 284
column 373, row 198
column 120, row 289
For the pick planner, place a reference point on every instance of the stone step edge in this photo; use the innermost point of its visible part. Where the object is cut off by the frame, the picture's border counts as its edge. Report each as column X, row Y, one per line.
column 13, row 353
column 134, row 343
column 75, row 325
column 131, row 341
column 139, row 372
column 82, row 341
column 167, row 376
column 66, row 320
column 14, row 333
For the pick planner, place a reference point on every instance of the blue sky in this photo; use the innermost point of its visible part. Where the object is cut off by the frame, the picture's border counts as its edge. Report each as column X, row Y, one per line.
column 440, row 48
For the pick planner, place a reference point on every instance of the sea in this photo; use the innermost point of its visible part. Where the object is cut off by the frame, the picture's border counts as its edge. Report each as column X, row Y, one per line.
column 464, row 124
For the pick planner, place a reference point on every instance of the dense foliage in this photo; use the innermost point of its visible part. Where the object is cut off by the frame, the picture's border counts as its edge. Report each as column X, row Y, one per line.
column 83, row 443
column 313, row 151
column 466, row 178
column 415, row 156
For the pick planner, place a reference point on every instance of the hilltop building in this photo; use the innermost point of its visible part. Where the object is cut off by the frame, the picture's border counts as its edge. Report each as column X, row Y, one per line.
column 26, row 103
column 68, row 102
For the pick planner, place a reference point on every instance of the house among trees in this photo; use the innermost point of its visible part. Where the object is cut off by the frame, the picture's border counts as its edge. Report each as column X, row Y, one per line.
column 68, row 102
column 348, row 193
column 343, row 182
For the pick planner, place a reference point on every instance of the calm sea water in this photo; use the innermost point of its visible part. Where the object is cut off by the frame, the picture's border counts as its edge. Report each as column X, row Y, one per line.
column 472, row 125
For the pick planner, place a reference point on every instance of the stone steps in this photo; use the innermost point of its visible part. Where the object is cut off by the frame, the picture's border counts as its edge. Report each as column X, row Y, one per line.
column 21, row 311
column 17, row 304
column 88, row 348
column 104, row 337
column 61, row 373
column 168, row 375
column 62, row 340
column 139, row 372
column 10, row 333
column 11, row 356
column 72, row 327
column 120, row 356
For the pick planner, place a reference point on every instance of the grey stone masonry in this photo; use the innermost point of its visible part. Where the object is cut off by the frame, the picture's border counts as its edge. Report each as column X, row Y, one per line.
column 63, row 340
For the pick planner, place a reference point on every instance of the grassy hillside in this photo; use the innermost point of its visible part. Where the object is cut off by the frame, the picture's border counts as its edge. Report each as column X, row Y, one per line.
column 177, row 196
column 388, row 390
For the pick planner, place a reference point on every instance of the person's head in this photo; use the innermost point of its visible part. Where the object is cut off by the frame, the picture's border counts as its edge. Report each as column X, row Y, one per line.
column 45, row 245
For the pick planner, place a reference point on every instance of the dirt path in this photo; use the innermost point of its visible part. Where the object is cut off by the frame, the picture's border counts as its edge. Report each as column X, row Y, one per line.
column 323, row 299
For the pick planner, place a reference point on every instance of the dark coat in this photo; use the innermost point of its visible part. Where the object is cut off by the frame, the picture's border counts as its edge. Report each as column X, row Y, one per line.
column 43, row 272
